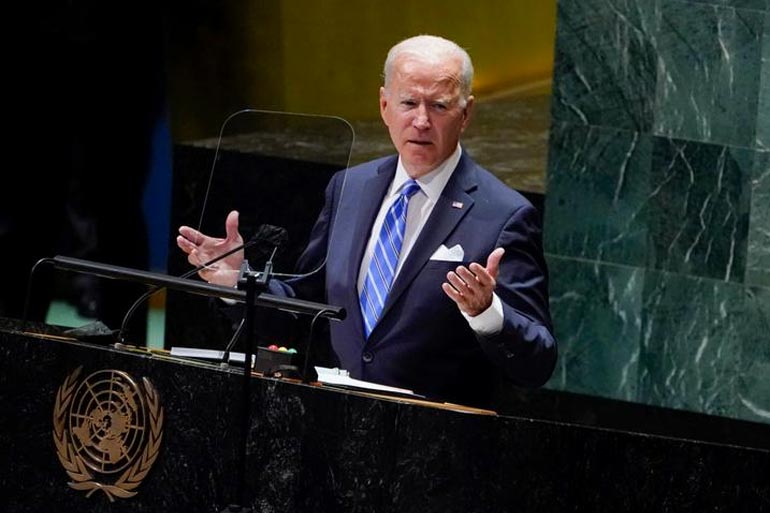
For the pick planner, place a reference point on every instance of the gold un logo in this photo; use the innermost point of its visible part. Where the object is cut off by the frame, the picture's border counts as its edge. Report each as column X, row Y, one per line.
column 107, row 431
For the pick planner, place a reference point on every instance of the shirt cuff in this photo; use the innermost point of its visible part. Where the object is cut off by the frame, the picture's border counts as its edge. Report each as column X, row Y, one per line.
column 490, row 321
column 229, row 301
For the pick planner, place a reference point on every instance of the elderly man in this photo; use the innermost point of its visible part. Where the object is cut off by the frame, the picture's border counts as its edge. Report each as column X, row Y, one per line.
column 438, row 264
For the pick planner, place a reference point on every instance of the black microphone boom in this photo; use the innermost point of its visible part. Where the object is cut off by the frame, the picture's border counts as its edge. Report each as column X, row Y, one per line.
column 265, row 233
column 298, row 306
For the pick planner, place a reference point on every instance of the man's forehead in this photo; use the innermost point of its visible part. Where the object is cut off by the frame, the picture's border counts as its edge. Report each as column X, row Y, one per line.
column 441, row 65
column 440, row 78
column 437, row 92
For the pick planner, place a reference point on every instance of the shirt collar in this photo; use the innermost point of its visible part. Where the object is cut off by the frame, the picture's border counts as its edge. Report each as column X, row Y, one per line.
column 432, row 183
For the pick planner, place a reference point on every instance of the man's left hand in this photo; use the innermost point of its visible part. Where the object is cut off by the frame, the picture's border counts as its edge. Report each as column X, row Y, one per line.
column 472, row 287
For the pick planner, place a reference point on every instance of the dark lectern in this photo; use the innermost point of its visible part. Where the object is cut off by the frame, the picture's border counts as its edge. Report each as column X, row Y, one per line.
column 71, row 417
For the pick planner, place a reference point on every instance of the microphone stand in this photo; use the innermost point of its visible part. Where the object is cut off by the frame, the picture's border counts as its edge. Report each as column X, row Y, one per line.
column 225, row 361
column 253, row 283
column 262, row 280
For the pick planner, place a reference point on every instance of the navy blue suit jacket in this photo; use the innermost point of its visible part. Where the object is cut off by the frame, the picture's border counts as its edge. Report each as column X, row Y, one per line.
column 422, row 341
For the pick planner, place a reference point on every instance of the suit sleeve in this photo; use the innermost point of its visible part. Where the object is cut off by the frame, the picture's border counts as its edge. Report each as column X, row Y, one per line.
column 525, row 348
column 310, row 265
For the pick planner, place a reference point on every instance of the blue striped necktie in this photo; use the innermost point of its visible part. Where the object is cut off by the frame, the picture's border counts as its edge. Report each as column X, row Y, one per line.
column 382, row 268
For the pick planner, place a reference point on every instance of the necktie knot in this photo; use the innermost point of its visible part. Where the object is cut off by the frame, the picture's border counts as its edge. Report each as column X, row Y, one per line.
column 409, row 189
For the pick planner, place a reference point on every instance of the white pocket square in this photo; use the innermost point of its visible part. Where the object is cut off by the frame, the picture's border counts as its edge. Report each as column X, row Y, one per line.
column 453, row 254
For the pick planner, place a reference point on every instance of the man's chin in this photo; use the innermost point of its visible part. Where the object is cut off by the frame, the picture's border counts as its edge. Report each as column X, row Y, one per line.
column 419, row 152
column 417, row 166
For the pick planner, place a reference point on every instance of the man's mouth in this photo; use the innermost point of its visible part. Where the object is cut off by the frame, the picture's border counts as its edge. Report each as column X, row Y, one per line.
column 419, row 143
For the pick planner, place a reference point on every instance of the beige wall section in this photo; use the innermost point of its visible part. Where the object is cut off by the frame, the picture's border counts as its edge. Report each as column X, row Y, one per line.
column 326, row 57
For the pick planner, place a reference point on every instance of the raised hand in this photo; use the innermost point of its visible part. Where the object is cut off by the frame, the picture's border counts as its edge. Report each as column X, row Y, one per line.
column 201, row 248
column 472, row 287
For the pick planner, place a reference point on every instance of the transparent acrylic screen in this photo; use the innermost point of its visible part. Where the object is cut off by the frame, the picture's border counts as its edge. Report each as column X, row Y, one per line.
column 273, row 168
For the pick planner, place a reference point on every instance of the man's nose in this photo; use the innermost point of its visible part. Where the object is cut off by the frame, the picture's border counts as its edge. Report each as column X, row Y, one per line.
column 421, row 120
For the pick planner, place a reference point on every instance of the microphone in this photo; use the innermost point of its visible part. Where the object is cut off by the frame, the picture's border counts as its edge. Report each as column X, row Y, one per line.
column 261, row 282
column 276, row 235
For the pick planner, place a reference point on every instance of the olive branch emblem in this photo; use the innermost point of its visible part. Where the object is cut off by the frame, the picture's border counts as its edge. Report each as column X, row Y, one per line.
column 78, row 470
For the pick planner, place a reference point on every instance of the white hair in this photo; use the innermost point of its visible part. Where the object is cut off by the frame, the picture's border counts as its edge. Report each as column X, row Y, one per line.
column 431, row 48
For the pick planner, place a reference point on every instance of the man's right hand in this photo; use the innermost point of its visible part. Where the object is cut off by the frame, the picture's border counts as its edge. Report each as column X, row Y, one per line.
column 202, row 248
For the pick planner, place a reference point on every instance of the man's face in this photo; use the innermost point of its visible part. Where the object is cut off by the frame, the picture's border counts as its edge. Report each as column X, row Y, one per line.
column 421, row 107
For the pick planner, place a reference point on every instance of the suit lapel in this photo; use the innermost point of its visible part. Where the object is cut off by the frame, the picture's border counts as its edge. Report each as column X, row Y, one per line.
column 443, row 219
column 366, row 196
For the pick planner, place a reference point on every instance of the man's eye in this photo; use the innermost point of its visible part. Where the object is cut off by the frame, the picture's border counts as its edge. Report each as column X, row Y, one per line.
column 408, row 103
column 440, row 106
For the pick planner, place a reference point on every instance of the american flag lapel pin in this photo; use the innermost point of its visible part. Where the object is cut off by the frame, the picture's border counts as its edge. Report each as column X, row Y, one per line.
column 457, row 204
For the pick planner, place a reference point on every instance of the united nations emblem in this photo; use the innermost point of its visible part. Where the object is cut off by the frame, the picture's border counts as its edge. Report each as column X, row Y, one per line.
column 107, row 431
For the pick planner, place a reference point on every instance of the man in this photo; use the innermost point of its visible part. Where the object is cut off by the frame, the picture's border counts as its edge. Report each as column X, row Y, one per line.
column 443, row 303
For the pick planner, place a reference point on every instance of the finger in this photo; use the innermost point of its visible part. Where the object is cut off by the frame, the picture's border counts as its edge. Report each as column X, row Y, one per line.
column 457, row 282
column 467, row 276
column 477, row 285
column 192, row 258
column 482, row 275
column 493, row 262
column 206, row 274
column 184, row 244
column 450, row 291
column 231, row 225
column 191, row 234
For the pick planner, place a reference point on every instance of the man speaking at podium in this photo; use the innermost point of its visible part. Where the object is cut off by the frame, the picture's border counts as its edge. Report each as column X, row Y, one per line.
column 438, row 264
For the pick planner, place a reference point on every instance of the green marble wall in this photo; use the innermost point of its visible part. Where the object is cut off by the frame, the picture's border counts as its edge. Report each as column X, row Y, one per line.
column 657, row 216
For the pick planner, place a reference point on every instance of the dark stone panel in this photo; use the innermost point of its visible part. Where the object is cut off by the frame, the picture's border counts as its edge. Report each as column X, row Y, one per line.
column 508, row 135
column 761, row 5
column 199, row 448
column 692, row 348
column 758, row 258
column 596, row 309
column 680, row 69
column 621, row 197
column 698, row 208
column 753, row 387
column 708, row 73
column 691, row 217
column 661, row 339
column 318, row 450
column 763, row 109
column 597, row 188
column 605, row 64
column 451, row 468
column 593, row 410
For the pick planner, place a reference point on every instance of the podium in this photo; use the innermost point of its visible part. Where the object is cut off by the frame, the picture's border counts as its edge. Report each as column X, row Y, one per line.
column 316, row 449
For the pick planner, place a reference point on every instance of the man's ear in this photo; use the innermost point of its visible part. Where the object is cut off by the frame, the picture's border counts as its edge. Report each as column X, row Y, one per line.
column 468, row 111
column 383, row 104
